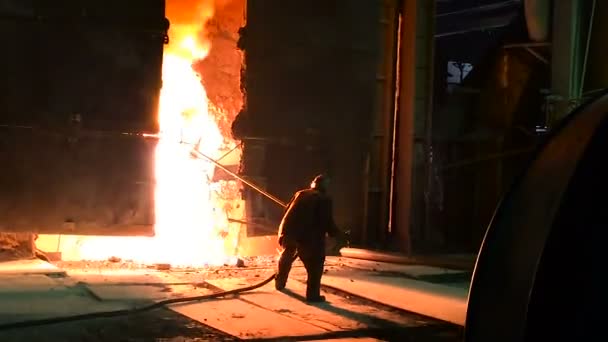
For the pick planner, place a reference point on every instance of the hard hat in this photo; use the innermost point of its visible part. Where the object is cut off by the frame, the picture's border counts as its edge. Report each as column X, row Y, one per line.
column 320, row 182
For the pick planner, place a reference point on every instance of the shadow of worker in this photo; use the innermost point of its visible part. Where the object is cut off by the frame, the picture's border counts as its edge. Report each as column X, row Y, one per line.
column 356, row 316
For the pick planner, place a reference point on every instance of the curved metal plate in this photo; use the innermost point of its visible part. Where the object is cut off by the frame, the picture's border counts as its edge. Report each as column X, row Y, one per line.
column 507, row 264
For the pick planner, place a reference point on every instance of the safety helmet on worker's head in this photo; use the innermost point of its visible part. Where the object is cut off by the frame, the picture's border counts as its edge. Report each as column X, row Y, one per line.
column 320, row 182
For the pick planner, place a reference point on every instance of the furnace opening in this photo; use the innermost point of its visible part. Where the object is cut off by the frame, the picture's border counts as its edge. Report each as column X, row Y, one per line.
column 199, row 210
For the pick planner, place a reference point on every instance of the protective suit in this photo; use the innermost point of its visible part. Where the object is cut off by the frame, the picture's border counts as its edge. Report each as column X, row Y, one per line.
column 306, row 221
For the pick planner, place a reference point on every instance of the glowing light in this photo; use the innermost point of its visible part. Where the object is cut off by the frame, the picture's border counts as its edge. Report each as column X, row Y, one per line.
column 192, row 227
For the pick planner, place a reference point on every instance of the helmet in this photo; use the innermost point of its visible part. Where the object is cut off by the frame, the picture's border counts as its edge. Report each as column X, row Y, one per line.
column 320, row 182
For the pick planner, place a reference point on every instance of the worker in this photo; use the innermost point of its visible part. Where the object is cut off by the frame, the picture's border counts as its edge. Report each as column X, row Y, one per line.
column 307, row 220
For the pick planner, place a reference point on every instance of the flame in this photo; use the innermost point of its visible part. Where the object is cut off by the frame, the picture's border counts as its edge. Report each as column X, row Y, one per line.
column 187, row 35
column 191, row 217
column 184, row 204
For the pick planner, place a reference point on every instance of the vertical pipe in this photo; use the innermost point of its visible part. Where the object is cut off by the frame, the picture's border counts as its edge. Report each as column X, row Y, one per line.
column 566, row 56
column 394, row 131
column 428, row 126
column 378, row 165
column 404, row 131
column 596, row 71
column 414, row 92
column 587, row 45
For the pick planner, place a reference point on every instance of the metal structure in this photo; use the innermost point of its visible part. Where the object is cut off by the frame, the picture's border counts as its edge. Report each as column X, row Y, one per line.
column 311, row 78
column 527, row 75
column 379, row 158
column 351, row 94
column 536, row 273
column 413, row 122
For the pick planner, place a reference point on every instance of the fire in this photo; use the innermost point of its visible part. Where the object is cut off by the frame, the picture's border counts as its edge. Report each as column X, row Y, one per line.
column 184, row 204
column 187, row 223
column 191, row 210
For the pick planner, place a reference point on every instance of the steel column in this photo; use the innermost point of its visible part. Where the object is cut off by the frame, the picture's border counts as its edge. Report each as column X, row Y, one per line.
column 415, row 60
column 379, row 163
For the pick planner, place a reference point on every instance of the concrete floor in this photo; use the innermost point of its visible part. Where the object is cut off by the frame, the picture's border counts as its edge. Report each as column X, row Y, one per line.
column 264, row 313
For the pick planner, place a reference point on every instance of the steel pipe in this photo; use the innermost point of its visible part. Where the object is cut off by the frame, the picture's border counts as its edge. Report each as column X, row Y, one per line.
column 461, row 263
column 261, row 227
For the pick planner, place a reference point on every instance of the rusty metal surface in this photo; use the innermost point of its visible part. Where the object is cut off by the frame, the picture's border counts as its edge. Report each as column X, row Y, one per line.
column 92, row 184
column 507, row 265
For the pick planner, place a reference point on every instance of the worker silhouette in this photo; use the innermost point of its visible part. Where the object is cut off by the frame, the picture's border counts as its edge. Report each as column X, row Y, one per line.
column 306, row 221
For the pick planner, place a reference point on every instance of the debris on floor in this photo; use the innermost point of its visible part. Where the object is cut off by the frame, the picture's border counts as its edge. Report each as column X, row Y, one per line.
column 15, row 246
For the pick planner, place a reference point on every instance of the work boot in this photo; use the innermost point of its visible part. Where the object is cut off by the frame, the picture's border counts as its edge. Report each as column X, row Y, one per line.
column 279, row 283
column 317, row 299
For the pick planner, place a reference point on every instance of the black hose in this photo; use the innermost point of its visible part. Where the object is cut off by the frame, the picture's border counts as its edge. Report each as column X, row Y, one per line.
column 106, row 314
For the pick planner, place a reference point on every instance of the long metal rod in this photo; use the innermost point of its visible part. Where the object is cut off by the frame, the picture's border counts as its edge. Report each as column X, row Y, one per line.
column 397, row 80
column 501, row 5
column 198, row 154
column 428, row 118
column 526, row 45
column 257, row 225
column 537, row 55
column 231, row 150
column 463, row 262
